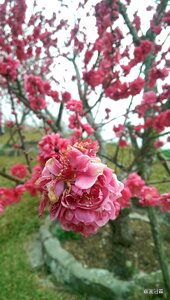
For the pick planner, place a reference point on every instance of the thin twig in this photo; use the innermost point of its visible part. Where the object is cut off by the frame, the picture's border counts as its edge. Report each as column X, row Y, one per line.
column 19, row 129
column 10, row 177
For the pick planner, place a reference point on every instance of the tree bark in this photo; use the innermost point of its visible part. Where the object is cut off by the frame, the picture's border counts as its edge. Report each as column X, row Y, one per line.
column 121, row 233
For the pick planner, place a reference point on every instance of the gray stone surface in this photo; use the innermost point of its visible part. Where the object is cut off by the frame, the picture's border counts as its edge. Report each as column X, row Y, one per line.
column 137, row 216
column 44, row 233
column 97, row 283
column 35, row 254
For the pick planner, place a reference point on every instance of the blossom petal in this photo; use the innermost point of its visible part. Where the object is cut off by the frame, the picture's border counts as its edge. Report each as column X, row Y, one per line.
column 85, row 216
column 59, row 188
column 85, row 182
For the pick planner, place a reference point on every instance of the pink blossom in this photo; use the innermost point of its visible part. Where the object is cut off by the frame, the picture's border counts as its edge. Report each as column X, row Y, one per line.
column 124, row 200
column 143, row 50
column 81, row 192
column 122, row 143
column 158, row 143
column 107, row 110
column 77, row 133
column 149, row 97
column 87, row 147
column 50, row 145
column 86, row 127
column 149, row 196
column 37, row 103
column 165, row 201
column 9, row 196
column 75, row 105
column 9, row 67
column 30, row 184
column 117, row 90
column 137, row 21
column 136, row 86
column 155, row 28
column 149, row 8
column 9, row 123
column 66, row 96
column 88, row 56
column 162, row 120
column 94, row 78
column 118, row 130
column 166, row 19
column 135, row 183
column 138, row 128
column 155, row 74
column 19, row 170
column 54, row 95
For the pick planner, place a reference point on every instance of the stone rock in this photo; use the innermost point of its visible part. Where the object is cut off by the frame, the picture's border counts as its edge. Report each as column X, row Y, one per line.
column 44, row 233
column 35, row 254
column 137, row 216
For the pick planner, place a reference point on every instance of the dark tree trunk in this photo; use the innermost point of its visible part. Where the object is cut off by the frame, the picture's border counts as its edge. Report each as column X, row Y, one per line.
column 121, row 233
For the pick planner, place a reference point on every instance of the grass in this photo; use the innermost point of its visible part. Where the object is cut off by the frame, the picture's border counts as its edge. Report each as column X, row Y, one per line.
column 18, row 225
column 33, row 135
column 18, row 281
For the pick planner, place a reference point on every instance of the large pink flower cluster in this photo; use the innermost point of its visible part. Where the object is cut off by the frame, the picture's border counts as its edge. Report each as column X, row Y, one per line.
column 81, row 192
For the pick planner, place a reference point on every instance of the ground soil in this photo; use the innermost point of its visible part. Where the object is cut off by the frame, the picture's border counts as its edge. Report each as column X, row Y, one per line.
column 98, row 251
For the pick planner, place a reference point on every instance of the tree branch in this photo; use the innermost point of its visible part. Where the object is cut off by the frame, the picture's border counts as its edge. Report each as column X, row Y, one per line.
column 10, row 177
column 164, row 162
column 122, row 9
column 19, row 129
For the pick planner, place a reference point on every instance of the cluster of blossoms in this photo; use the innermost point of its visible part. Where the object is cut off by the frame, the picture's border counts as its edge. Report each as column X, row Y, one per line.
column 49, row 147
column 9, row 67
column 135, row 186
column 75, row 122
column 81, row 192
column 149, row 99
column 37, row 89
column 143, row 50
column 10, row 196
column 118, row 90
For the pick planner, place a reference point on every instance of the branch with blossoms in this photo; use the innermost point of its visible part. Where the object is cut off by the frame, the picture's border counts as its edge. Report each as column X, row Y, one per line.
column 127, row 67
